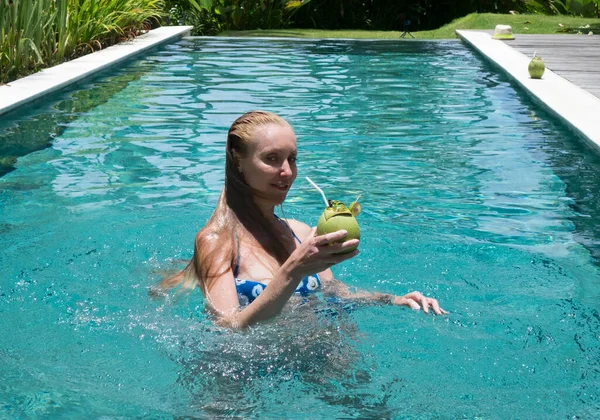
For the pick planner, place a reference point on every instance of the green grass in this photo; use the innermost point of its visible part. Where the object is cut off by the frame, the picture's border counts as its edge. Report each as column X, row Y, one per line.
column 521, row 24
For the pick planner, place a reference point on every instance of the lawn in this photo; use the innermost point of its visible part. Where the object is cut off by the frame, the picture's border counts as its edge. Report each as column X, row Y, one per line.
column 521, row 24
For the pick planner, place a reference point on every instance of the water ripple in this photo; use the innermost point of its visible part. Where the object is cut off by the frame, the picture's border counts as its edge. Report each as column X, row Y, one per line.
column 469, row 192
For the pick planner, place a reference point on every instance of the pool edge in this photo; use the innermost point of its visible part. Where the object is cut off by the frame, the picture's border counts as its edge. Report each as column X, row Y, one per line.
column 293, row 38
column 20, row 92
column 574, row 106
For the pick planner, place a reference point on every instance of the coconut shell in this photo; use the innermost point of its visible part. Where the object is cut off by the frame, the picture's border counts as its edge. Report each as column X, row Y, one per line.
column 338, row 217
column 536, row 68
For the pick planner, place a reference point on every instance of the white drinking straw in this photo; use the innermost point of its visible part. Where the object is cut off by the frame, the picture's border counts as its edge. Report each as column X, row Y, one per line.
column 320, row 190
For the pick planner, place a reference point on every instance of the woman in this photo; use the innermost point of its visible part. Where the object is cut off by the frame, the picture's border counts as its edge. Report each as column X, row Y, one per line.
column 247, row 261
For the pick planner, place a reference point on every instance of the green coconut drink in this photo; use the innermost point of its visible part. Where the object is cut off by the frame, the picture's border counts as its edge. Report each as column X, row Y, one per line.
column 337, row 217
column 536, row 67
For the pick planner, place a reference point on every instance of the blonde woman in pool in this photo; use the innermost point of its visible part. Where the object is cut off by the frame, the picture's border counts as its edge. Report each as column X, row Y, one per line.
column 248, row 262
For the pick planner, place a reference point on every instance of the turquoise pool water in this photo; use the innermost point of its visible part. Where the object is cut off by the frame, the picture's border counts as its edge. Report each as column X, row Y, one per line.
column 471, row 193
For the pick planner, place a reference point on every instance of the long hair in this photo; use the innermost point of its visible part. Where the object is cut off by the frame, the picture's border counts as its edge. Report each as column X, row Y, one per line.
column 235, row 216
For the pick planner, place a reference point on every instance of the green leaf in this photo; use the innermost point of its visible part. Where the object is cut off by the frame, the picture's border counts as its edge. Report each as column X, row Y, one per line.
column 203, row 5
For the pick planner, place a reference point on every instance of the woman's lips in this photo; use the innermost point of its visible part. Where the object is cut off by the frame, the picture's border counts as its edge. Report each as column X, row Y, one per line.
column 281, row 186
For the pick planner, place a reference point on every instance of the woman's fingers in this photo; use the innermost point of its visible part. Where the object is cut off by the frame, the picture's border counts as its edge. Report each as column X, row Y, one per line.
column 416, row 300
column 329, row 243
column 436, row 307
column 340, row 247
column 410, row 303
column 318, row 253
column 330, row 237
column 419, row 299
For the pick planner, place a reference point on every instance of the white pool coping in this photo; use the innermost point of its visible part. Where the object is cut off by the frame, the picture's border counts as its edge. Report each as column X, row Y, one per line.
column 575, row 106
column 22, row 91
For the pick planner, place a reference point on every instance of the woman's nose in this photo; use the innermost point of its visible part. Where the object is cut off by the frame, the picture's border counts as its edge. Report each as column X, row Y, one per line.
column 286, row 169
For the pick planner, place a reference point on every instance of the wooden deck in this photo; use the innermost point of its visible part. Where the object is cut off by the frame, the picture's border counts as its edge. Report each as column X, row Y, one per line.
column 573, row 57
column 571, row 90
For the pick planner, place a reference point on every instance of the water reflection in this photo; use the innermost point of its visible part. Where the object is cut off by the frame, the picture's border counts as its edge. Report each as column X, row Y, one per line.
column 470, row 193
column 27, row 130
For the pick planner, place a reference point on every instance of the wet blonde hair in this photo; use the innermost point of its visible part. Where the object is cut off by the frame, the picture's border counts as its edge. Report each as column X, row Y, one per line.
column 236, row 214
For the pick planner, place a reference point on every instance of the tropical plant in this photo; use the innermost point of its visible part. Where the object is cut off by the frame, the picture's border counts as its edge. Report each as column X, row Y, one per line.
column 207, row 15
column 39, row 33
column 26, row 35
column 93, row 23
column 203, row 21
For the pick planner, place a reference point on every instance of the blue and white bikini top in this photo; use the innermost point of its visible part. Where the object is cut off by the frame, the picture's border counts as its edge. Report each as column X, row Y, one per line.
column 248, row 290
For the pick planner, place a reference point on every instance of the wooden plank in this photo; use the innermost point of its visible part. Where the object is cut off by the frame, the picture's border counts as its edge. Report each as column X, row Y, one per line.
column 573, row 57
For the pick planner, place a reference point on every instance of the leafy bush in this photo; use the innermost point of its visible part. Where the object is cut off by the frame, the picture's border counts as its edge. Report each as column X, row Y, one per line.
column 204, row 22
column 211, row 16
column 39, row 33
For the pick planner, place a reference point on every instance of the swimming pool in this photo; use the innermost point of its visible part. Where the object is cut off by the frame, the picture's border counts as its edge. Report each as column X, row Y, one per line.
column 471, row 193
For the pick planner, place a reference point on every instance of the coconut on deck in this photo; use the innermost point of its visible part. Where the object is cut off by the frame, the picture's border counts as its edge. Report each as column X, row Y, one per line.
column 570, row 88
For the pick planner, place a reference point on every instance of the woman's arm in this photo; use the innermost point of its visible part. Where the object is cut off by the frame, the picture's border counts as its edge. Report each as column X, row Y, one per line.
column 223, row 299
column 413, row 300
column 334, row 287
column 313, row 255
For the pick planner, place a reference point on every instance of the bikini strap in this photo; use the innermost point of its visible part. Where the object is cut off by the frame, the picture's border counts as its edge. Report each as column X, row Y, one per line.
column 289, row 227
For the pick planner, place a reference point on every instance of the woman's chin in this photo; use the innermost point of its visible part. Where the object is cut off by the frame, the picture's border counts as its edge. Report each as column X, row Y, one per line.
column 274, row 198
column 279, row 199
column 277, row 194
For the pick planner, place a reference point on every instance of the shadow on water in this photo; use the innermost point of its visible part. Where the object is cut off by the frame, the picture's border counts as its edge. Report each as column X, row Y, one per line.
column 578, row 165
column 31, row 130
column 309, row 354
column 574, row 160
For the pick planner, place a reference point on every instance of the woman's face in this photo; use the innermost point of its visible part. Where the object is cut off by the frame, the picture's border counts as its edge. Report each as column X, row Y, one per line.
column 269, row 167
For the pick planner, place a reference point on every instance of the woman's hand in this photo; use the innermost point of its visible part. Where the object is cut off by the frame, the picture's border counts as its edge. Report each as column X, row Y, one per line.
column 318, row 253
column 416, row 300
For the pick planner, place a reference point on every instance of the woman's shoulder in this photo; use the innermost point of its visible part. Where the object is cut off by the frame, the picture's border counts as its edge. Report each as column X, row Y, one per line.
column 207, row 236
column 300, row 228
column 208, row 242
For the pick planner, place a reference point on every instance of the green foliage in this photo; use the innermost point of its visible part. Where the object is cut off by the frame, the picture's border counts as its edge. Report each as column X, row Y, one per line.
column 211, row 16
column 521, row 24
column 38, row 33
column 204, row 21
column 26, row 35
column 423, row 14
column 584, row 8
column 253, row 14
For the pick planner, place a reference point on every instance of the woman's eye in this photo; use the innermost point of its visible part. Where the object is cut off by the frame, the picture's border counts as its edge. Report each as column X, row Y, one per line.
column 293, row 159
column 272, row 158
